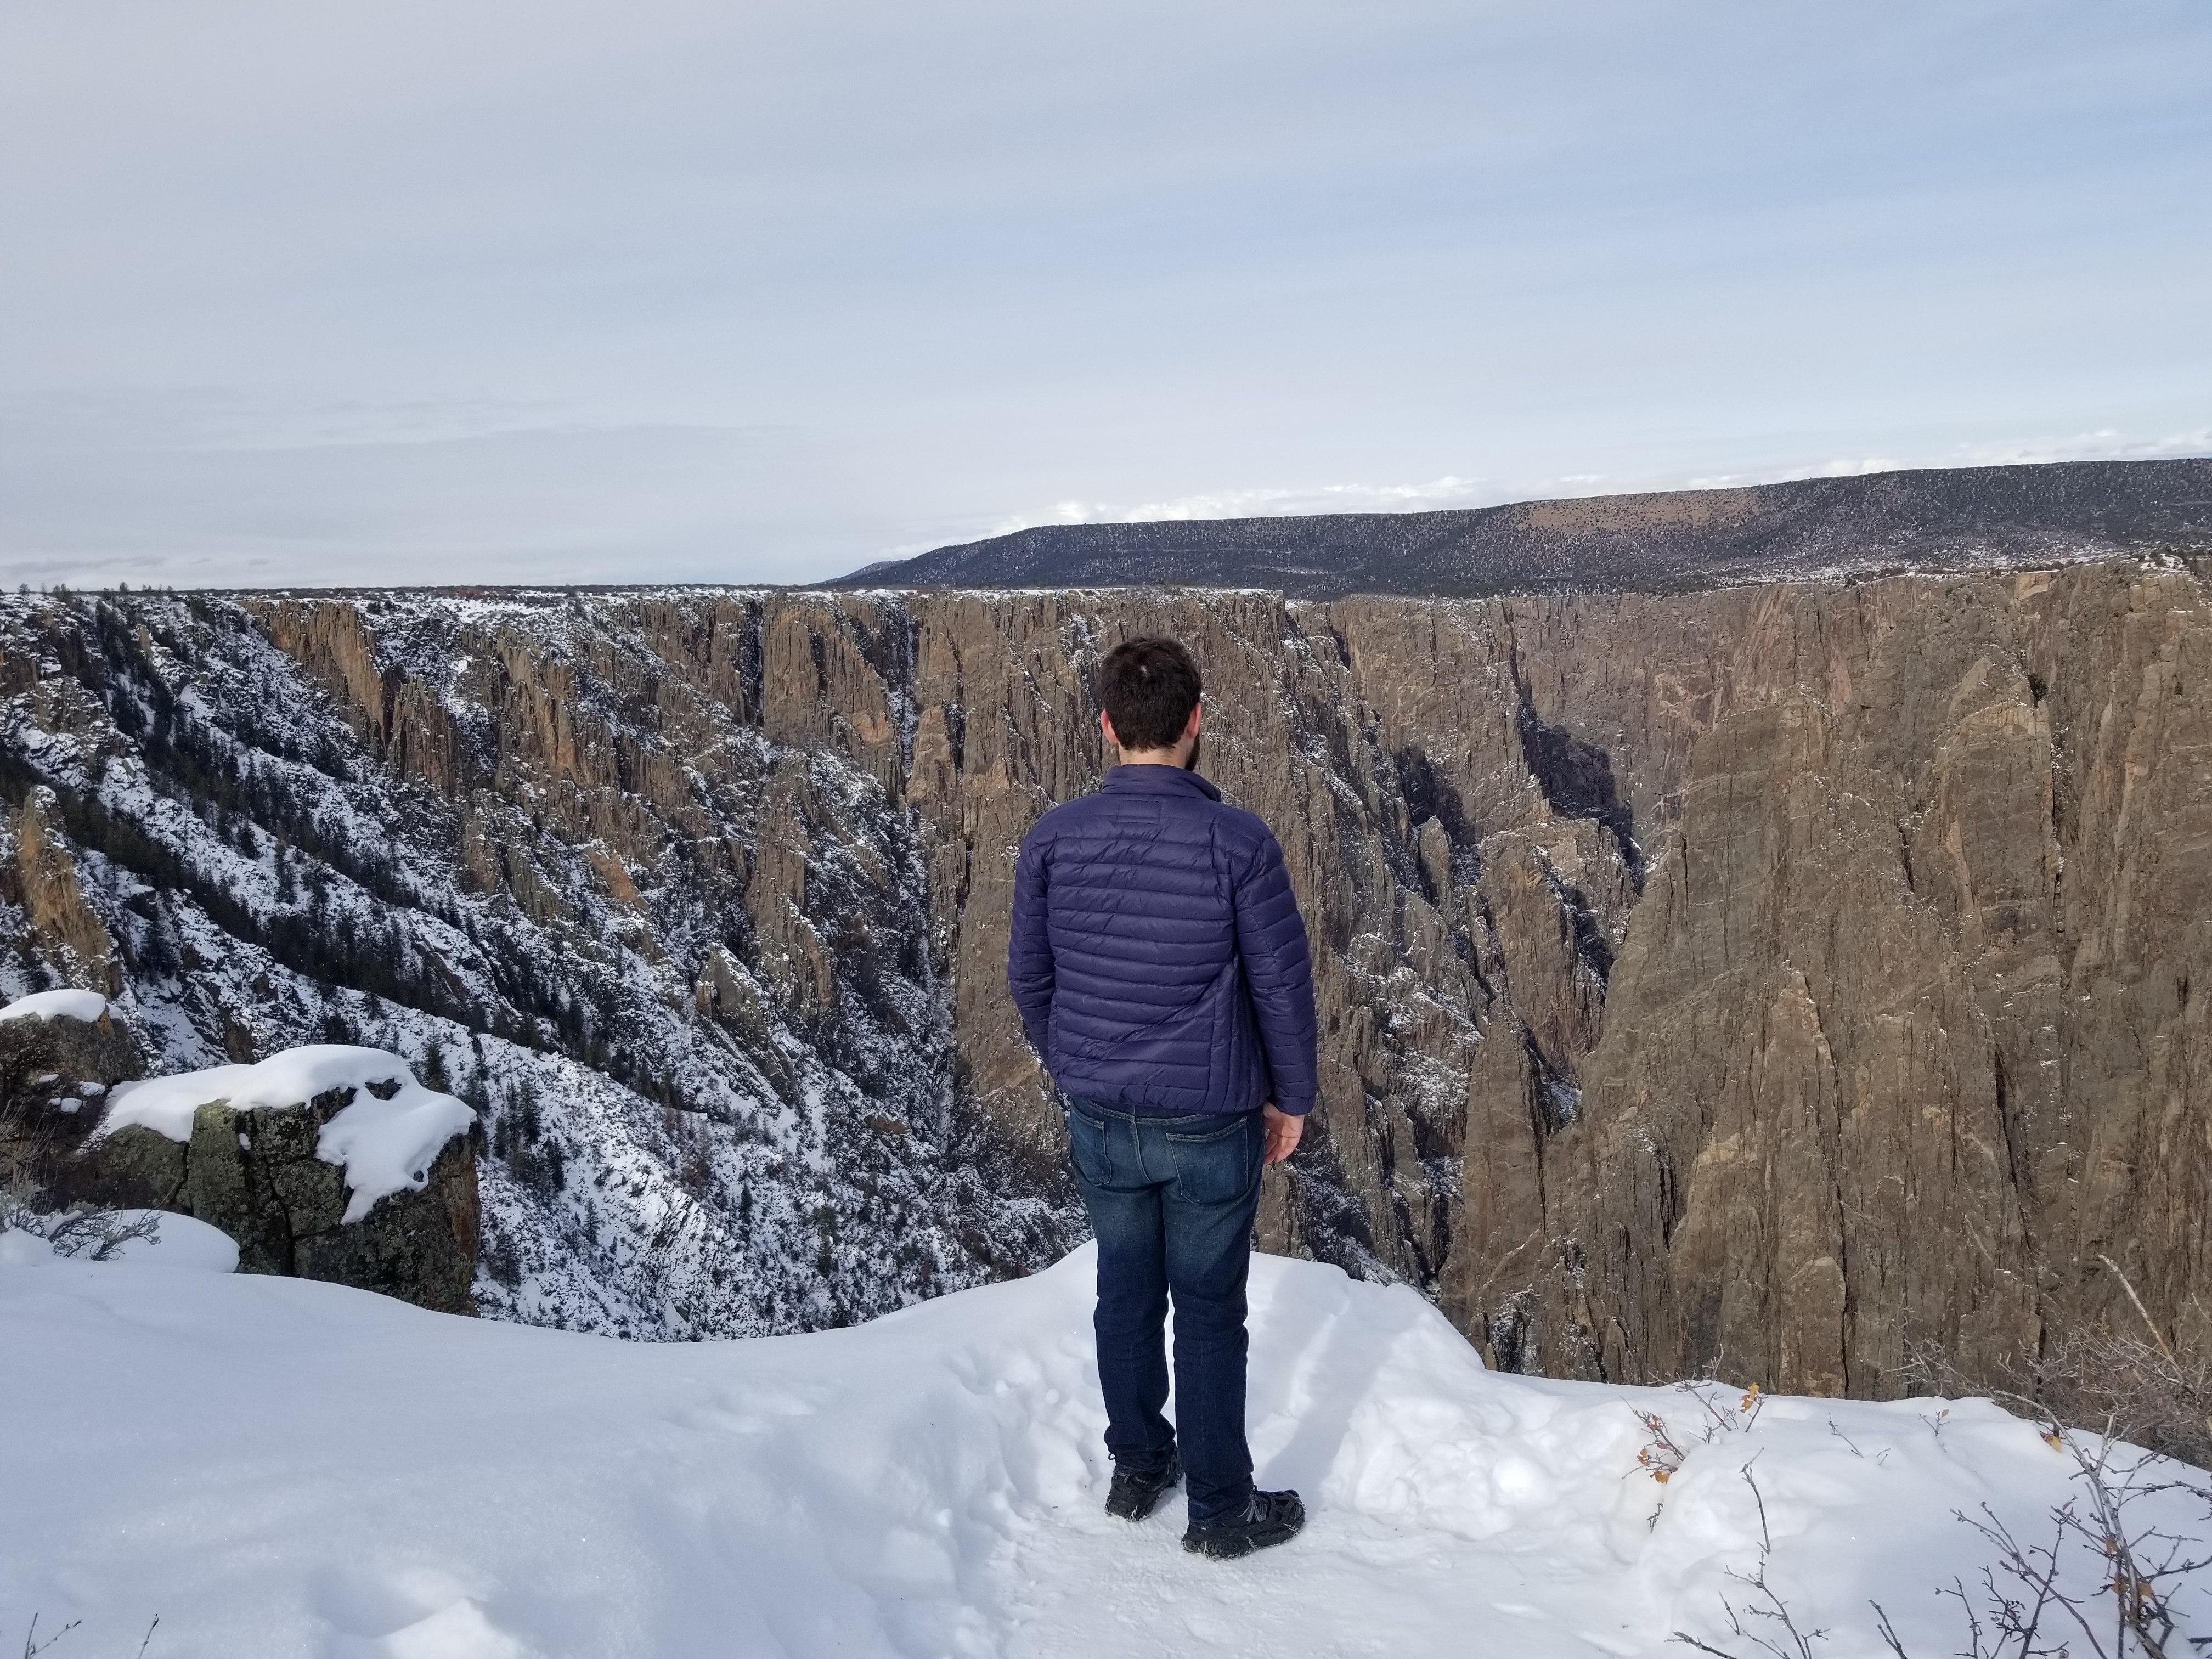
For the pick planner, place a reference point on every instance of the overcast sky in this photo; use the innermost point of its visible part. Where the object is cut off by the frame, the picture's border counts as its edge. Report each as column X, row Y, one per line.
column 522, row 290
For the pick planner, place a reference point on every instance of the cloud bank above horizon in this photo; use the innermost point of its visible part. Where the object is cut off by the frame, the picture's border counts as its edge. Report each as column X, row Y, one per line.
column 562, row 293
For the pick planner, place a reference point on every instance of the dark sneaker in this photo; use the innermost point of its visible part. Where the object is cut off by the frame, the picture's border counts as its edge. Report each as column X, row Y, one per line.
column 1272, row 1518
column 1133, row 1497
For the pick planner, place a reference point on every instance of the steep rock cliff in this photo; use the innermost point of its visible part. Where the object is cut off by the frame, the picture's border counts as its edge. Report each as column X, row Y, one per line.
column 1777, row 979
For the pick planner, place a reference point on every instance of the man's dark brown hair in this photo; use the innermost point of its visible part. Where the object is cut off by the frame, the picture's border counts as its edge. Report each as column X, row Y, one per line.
column 1149, row 687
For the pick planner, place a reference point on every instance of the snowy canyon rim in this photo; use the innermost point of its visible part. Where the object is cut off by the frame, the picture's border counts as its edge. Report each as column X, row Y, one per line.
column 1779, row 980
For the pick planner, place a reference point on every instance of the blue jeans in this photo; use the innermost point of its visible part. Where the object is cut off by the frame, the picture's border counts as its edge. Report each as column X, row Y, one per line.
column 1172, row 1201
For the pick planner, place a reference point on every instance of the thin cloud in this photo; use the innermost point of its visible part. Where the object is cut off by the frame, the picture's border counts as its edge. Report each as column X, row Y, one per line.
column 1263, row 503
column 760, row 293
column 2102, row 445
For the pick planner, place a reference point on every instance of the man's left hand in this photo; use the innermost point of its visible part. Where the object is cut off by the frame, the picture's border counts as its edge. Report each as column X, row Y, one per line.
column 1283, row 1133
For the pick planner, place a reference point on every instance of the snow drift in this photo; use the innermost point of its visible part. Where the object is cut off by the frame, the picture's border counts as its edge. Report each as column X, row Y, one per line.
column 277, row 1467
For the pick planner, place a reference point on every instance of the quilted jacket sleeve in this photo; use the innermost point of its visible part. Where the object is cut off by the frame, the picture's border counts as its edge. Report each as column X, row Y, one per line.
column 1271, row 937
column 1028, row 954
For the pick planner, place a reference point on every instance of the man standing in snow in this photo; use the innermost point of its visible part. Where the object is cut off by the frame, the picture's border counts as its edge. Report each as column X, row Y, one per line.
column 1160, row 967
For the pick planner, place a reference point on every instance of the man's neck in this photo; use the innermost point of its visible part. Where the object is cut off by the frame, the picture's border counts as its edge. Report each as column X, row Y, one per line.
column 1178, row 756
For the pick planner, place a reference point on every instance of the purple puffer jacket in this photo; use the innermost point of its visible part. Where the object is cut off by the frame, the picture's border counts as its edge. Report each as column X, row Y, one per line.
column 1158, row 959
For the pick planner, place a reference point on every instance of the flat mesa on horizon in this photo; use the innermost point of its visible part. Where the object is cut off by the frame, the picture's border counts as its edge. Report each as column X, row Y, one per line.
column 1936, row 520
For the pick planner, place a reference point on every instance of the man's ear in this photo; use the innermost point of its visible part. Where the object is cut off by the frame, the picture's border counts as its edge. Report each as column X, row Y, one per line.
column 1190, row 725
column 1106, row 725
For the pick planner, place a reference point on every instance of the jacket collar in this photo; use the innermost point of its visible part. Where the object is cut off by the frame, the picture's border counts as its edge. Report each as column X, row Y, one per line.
column 1159, row 781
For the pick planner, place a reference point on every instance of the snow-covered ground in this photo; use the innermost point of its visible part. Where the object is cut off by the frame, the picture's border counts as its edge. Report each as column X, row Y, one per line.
column 281, row 1467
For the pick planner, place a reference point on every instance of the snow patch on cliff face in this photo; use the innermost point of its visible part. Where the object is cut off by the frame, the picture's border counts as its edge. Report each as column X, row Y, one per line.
column 932, row 1483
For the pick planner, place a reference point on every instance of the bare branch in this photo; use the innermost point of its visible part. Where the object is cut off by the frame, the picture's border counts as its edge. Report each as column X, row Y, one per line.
column 1775, row 1610
column 1765, row 1537
column 80, row 1228
column 2149, row 1324
column 1690, row 1641
column 33, row 1647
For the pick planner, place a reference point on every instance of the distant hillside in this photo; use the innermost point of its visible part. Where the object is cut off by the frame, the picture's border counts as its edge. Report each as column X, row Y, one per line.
column 1935, row 520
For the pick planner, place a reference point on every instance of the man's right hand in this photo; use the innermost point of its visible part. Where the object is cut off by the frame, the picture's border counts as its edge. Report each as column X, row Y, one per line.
column 1283, row 1133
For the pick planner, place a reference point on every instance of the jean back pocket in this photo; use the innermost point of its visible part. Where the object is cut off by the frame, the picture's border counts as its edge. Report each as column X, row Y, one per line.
column 1217, row 1165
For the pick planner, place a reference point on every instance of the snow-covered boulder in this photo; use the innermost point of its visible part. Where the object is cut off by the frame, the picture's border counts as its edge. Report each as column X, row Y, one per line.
column 71, row 1035
column 59, row 1053
column 83, row 1007
column 326, row 1162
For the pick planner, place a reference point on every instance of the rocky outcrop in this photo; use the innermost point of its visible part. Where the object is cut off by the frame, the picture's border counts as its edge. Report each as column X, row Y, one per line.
column 255, row 1175
column 1781, row 979
column 85, row 1057
column 55, row 1072
column 45, row 884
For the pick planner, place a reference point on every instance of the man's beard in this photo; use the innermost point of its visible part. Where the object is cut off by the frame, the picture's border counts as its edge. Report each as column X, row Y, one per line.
column 1196, row 744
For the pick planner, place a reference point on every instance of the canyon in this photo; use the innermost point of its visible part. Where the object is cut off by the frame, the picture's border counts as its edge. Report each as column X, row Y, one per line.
column 1777, row 981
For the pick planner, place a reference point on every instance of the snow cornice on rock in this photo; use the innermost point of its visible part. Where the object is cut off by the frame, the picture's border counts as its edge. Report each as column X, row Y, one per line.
column 385, row 1139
